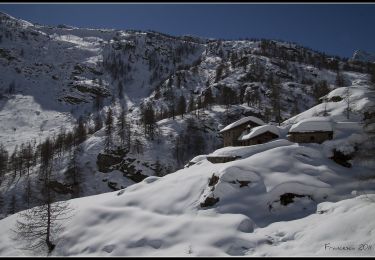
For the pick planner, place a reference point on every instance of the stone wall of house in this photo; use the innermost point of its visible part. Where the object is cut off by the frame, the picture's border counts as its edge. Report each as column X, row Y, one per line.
column 312, row 137
column 260, row 139
column 222, row 159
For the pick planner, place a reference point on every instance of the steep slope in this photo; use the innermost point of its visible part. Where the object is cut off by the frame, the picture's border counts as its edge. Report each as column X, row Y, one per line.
column 63, row 70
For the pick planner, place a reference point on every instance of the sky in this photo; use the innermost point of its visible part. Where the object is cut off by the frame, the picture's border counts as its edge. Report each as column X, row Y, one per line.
column 336, row 29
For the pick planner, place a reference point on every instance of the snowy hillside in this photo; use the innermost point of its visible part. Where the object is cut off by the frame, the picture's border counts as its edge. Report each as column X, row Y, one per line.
column 278, row 198
column 281, row 208
column 63, row 70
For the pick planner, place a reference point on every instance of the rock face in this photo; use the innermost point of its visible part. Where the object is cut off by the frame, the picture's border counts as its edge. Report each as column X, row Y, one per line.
column 210, row 201
column 105, row 162
column 364, row 56
column 118, row 161
column 342, row 159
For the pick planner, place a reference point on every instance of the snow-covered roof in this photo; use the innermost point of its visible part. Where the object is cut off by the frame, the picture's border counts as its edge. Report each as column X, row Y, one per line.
column 260, row 130
column 243, row 121
column 313, row 124
column 198, row 158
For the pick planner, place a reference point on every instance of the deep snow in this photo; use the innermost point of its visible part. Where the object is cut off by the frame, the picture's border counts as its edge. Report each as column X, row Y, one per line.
column 162, row 216
column 166, row 216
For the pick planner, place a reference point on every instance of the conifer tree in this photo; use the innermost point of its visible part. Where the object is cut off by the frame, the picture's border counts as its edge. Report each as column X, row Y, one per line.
column 108, row 130
column 3, row 161
column 339, row 79
column 38, row 225
column 12, row 207
column 208, row 98
column 372, row 76
column 191, row 106
column 148, row 120
column 74, row 173
column 80, row 132
column 123, row 129
column 120, row 89
column 98, row 123
column 181, row 106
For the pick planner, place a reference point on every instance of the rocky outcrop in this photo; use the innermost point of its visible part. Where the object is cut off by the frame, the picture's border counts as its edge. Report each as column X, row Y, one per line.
column 95, row 90
column 60, row 187
column 117, row 160
column 106, row 162
column 209, row 202
column 341, row 158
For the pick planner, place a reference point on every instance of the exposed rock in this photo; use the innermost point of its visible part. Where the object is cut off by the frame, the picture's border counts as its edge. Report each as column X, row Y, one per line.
column 78, row 69
column 136, row 177
column 243, row 183
column 209, row 201
column 112, row 185
column 222, row 159
column 213, row 180
column 335, row 99
column 98, row 73
column 342, row 158
column 6, row 54
column 106, row 161
column 288, row 198
column 73, row 100
column 60, row 187
column 95, row 90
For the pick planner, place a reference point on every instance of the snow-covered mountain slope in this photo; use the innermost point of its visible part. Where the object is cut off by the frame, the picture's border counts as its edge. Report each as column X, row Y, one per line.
column 64, row 69
column 51, row 76
column 364, row 56
column 262, row 208
column 278, row 198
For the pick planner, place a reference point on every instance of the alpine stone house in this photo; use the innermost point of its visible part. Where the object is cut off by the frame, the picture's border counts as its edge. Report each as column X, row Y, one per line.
column 240, row 132
column 259, row 135
column 311, row 130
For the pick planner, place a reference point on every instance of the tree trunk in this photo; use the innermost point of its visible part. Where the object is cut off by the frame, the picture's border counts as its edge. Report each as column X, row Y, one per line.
column 50, row 245
column 48, row 241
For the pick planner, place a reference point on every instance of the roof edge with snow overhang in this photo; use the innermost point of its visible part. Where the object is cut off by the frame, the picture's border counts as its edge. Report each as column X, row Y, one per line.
column 256, row 131
column 242, row 121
